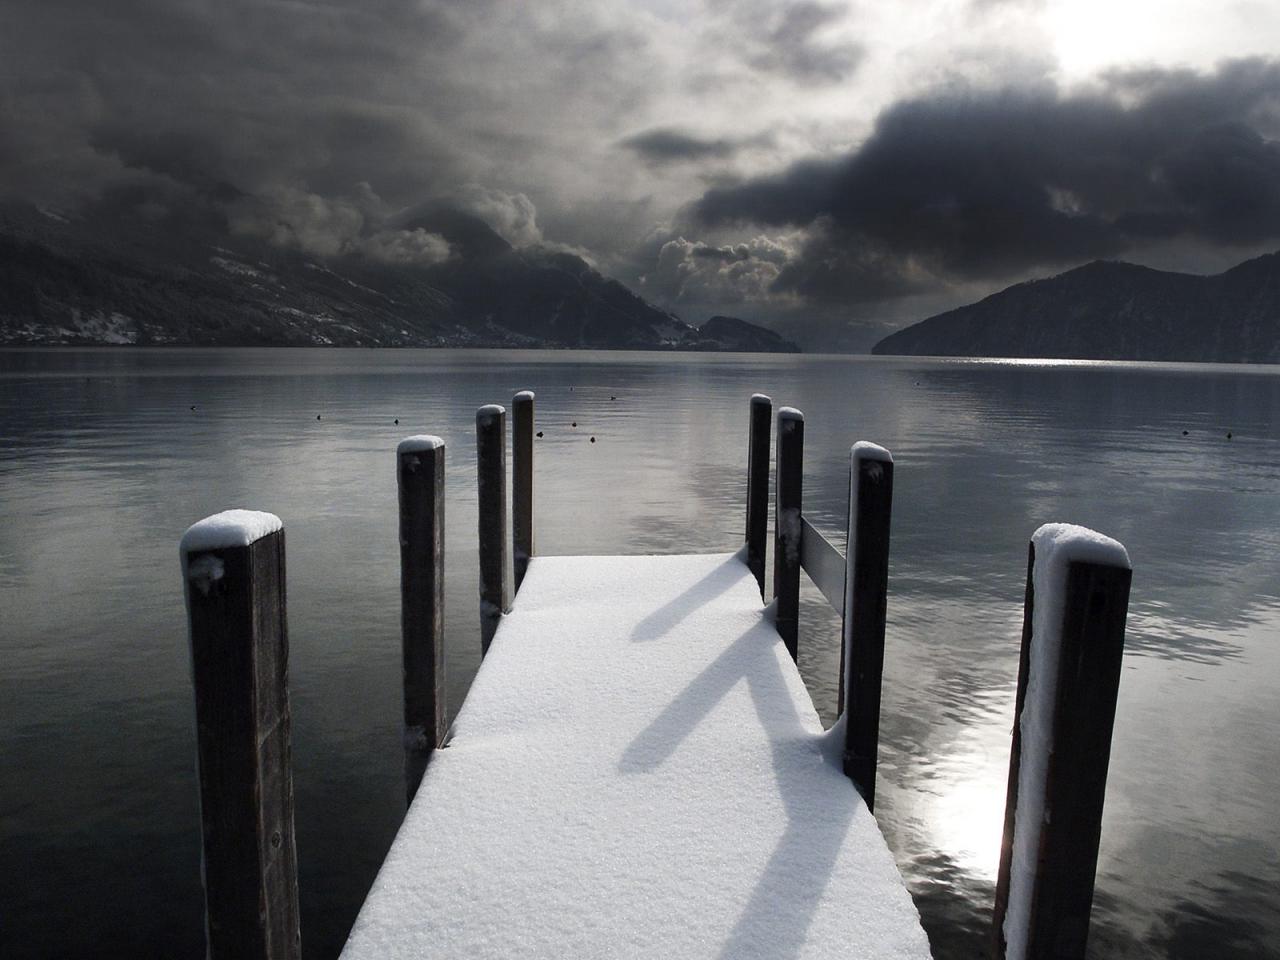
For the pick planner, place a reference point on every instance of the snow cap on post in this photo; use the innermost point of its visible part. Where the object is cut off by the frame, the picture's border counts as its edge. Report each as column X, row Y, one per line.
column 1071, row 543
column 486, row 413
column 419, row 444
column 230, row 528
column 866, row 450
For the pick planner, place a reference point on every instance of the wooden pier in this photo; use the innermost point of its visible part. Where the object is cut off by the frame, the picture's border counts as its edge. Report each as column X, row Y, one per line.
column 637, row 770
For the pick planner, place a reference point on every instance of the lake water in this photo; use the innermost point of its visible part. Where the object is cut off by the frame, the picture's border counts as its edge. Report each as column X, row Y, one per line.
column 104, row 462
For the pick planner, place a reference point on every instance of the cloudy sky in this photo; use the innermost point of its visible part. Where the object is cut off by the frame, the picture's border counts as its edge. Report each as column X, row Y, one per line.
column 863, row 163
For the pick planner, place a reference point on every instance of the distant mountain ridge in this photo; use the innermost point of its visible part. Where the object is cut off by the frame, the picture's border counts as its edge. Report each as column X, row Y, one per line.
column 1109, row 310
column 731, row 333
column 61, row 283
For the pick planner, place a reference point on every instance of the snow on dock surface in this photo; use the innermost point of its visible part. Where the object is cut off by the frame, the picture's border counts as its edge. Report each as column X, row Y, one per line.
column 638, row 772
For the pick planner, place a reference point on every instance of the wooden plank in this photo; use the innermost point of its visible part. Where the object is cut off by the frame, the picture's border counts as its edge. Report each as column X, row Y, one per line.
column 1015, row 763
column 866, row 602
column 824, row 564
column 240, row 669
column 787, row 520
column 758, row 485
column 495, row 559
column 521, row 484
column 420, row 482
column 1075, row 775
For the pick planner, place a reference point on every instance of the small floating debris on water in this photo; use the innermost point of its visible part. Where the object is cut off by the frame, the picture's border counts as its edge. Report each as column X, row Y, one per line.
column 397, row 421
column 613, row 398
column 193, row 406
column 1228, row 434
column 1184, row 433
column 538, row 434
column 593, row 439
column 574, row 424
column 317, row 416
column 571, row 389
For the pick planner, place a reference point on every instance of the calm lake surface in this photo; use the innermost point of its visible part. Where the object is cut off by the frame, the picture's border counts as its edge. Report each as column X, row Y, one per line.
column 104, row 462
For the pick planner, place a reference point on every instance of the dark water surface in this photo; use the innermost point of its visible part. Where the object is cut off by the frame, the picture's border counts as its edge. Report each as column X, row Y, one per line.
column 103, row 464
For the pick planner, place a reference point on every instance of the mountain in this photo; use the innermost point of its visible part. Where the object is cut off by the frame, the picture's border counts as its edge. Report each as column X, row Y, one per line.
column 61, row 282
column 1114, row 311
column 730, row 333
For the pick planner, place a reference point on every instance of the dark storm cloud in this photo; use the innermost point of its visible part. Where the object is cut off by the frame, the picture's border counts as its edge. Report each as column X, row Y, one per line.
column 664, row 145
column 795, row 48
column 985, row 184
column 181, row 155
column 247, row 92
column 828, row 269
column 156, row 103
column 794, row 40
column 588, row 126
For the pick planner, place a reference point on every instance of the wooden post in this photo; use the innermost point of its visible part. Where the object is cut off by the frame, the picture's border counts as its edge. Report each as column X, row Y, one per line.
column 866, row 597
column 787, row 528
column 1068, row 679
column 758, row 485
column 233, row 570
column 521, row 484
column 491, row 469
column 420, row 478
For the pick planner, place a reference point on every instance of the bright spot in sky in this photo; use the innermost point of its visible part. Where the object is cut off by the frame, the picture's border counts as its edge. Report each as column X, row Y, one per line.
column 1089, row 35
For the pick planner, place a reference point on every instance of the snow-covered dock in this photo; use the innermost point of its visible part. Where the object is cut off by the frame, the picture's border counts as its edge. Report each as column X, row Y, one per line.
column 638, row 771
